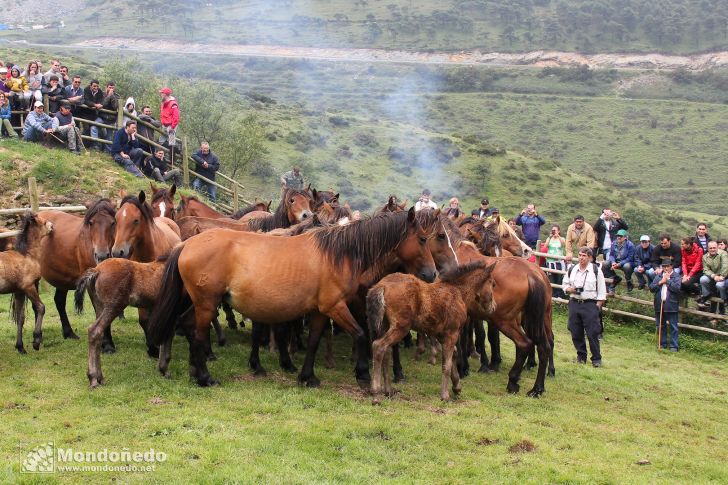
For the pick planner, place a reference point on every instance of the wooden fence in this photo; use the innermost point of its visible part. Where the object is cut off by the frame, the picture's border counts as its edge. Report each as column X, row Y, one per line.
column 228, row 187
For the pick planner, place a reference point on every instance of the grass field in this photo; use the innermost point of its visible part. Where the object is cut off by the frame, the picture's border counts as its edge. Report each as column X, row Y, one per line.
column 591, row 426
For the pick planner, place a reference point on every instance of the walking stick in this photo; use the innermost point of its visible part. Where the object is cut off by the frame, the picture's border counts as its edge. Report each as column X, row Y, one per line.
column 659, row 324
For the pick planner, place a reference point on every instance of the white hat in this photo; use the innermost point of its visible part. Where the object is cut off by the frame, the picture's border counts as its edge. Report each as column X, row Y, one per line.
column 37, row 103
column 4, row 70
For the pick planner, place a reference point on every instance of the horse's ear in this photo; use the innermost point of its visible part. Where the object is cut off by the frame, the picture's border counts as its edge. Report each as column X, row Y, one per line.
column 336, row 197
column 122, row 193
column 315, row 194
column 154, row 188
column 437, row 212
column 497, row 219
column 391, row 200
column 173, row 191
column 403, row 204
column 411, row 215
column 489, row 270
column 475, row 235
column 142, row 197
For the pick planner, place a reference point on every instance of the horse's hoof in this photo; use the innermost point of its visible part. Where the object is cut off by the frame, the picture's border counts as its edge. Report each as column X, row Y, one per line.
column 535, row 392
column 399, row 377
column 153, row 352
column 445, row 396
column 513, row 388
column 207, row 382
column 21, row 350
column 484, row 369
column 70, row 335
column 211, row 357
column 377, row 401
column 36, row 345
column 108, row 349
column 364, row 382
column 551, row 373
column 457, row 390
column 289, row 368
column 222, row 342
column 260, row 372
column 313, row 381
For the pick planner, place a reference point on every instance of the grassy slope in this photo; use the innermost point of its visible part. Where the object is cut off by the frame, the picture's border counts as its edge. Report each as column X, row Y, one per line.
column 591, row 425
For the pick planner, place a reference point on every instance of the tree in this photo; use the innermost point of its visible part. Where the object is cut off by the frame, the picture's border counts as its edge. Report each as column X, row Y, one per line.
column 243, row 145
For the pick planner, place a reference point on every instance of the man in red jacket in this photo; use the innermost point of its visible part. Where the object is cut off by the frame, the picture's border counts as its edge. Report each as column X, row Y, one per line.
column 169, row 116
column 692, row 264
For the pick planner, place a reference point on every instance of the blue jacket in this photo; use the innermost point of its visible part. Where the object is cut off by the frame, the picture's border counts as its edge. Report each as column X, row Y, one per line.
column 5, row 112
column 642, row 256
column 625, row 256
column 531, row 226
column 673, row 293
column 122, row 143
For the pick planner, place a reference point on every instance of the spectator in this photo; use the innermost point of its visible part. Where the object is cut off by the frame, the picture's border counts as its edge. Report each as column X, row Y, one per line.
column 425, row 201
column 55, row 94
column 642, row 264
column 55, row 70
column 584, row 283
column 516, row 229
column 109, row 103
column 37, row 124
column 723, row 244
column 483, row 211
column 715, row 271
column 129, row 109
column 156, row 167
column 621, row 256
column 66, row 128
column 146, row 131
column 64, row 79
column 494, row 212
column 453, row 210
column 126, row 150
column 35, row 80
column 93, row 98
column 692, row 264
column 666, row 287
column 531, row 223
column 293, row 179
column 556, row 245
column 606, row 230
column 207, row 164
column 5, row 115
column 667, row 249
column 702, row 237
column 74, row 93
column 19, row 94
column 169, row 116
column 4, row 74
column 579, row 234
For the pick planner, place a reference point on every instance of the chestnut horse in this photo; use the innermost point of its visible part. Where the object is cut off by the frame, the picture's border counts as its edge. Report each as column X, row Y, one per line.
column 295, row 206
column 401, row 302
column 278, row 279
column 258, row 206
column 163, row 201
column 74, row 246
column 192, row 206
column 20, row 274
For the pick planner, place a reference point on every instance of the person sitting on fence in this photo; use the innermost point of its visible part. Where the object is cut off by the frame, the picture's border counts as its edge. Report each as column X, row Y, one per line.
column 579, row 234
column 723, row 244
column 74, row 93
column 531, row 223
column 38, row 125
column 606, row 229
column 293, row 179
column 621, row 256
column 146, row 131
column 556, row 245
column 701, row 236
column 19, row 94
column 35, row 80
column 129, row 109
column 667, row 249
column 715, row 271
column 207, row 164
column 169, row 116
column 5, row 114
column 425, row 201
column 126, row 150
column 110, row 103
column 483, row 211
column 666, row 287
column 66, row 128
column 156, row 167
column 644, row 270
column 692, row 264
column 55, row 94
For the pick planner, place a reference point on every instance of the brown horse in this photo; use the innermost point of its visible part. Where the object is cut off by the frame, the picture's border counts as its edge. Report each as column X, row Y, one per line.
column 139, row 235
column 192, row 206
column 190, row 226
column 400, row 302
column 163, row 201
column 20, row 274
column 278, row 279
column 257, row 206
column 75, row 245
column 295, row 206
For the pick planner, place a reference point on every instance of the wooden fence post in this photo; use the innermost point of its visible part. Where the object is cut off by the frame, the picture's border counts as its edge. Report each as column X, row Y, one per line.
column 185, row 164
column 120, row 116
column 33, row 194
column 45, row 103
column 236, row 201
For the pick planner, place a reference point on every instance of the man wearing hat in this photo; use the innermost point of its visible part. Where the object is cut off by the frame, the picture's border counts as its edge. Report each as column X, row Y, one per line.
column 483, row 211
column 66, row 128
column 642, row 263
column 579, row 234
column 169, row 116
column 37, row 124
column 584, row 283
column 621, row 257
column 666, row 287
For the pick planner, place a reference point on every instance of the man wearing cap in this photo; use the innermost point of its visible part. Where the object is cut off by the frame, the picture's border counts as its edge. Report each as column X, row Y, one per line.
column 483, row 211
column 169, row 116
column 644, row 270
column 293, row 179
column 621, row 256
column 666, row 287
column 37, row 124
column 584, row 283
column 126, row 150
column 66, row 128
column 579, row 234
column 715, row 271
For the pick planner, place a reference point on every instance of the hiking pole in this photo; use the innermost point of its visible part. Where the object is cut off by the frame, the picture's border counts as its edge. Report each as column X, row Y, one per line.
column 80, row 140
column 659, row 324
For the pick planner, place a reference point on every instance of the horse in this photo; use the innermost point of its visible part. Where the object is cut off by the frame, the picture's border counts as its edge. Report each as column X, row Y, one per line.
column 278, row 279
column 324, row 196
column 75, row 245
column 192, row 206
column 112, row 286
column 257, row 206
column 6, row 243
column 522, row 312
column 295, row 206
column 400, row 302
column 191, row 225
column 163, row 201
column 20, row 275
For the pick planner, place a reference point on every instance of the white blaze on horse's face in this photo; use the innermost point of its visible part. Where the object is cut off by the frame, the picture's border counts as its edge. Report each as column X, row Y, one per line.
column 162, row 209
column 449, row 244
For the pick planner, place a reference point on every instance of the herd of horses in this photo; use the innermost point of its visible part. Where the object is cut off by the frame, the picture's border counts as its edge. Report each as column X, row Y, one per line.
column 304, row 265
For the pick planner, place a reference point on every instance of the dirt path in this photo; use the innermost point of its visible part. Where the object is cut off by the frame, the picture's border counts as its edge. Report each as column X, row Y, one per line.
column 533, row 59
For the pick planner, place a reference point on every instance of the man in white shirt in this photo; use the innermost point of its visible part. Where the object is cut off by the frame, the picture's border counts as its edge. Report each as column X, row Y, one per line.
column 584, row 283
column 425, row 202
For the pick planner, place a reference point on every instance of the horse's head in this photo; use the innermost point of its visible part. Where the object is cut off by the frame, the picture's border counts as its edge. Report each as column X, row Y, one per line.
column 33, row 228
column 324, row 196
column 438, row 240
column 484, row 287
column 163, row 201
column 414, row 251
column 488, row 240
column 261, row 205
column 99, row 225
column 510, row 241
column 133, row 217
column 298, row 205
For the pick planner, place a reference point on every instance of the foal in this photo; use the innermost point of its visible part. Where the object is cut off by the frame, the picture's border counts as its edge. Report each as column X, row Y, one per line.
column 20, row 274
column 439, row 309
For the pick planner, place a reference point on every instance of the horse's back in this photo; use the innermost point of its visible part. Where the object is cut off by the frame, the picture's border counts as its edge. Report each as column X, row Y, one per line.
column 59, row 251
column 166, row 221
column 169, row 229
column 254, row 215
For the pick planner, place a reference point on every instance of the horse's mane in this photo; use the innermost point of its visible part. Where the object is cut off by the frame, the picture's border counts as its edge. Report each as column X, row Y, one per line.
column 101, row 205
column 279, row 219
column 452, row 230
column 21, row 243
column 340, row 212
column 363, row 242
column 505, row 229
column 144, row 208
column 159, row 194
column 162, row 258
column 459, row 272
column 467, row 220
column 243, row 211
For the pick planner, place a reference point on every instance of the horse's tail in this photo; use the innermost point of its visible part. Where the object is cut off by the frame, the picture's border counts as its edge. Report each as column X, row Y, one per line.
column 169, row 304
column 17, row 307
column 87, row 281
column 535, row 310
column 375, row 312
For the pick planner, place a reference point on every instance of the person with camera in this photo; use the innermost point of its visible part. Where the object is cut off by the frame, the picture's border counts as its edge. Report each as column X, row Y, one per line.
column 606, row 229
column 531, row 223
column 584, row 283
column 556, row 245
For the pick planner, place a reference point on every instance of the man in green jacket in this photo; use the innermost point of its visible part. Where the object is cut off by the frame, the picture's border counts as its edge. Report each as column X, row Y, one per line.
column 715, row 271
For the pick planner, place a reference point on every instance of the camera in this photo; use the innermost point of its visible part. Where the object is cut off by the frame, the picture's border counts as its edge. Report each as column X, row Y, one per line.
column 577, row 291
